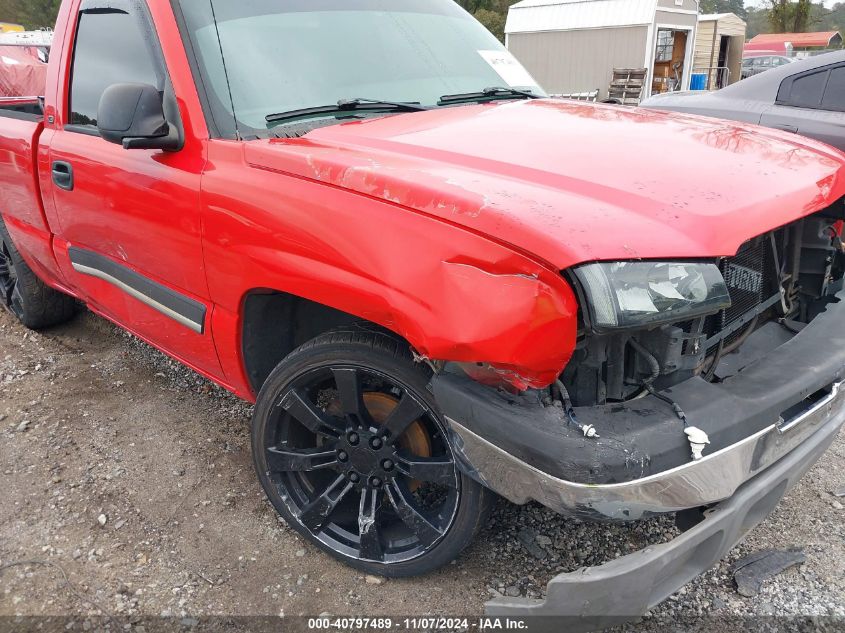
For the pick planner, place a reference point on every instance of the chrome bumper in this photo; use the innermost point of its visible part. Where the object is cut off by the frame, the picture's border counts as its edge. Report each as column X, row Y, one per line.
column 599, row 597
column 712, row 479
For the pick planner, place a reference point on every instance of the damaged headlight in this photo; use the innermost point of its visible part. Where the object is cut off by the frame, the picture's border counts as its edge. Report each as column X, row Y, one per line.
column 621, row 295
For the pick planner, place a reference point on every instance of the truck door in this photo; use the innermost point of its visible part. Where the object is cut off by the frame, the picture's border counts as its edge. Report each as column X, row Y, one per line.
column 129, row 236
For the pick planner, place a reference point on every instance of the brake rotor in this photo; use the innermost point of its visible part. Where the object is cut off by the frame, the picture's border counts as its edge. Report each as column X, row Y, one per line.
column 415, row 439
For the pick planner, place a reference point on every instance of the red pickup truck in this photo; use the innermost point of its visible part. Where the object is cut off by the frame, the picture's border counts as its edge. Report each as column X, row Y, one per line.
column 436, row 283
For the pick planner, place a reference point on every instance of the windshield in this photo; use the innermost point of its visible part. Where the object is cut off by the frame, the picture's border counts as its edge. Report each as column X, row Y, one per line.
column 276, row 56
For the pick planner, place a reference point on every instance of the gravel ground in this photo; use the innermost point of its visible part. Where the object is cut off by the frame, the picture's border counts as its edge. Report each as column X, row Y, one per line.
column 133, row 476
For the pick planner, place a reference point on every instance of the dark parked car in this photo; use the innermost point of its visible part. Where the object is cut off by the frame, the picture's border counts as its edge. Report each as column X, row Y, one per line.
column 806, row 97
column 755, row 65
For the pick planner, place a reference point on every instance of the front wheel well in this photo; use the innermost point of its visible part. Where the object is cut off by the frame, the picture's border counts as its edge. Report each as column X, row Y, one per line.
column 276, row 323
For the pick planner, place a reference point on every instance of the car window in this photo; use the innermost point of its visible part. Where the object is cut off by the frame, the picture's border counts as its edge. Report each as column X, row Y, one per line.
column 110, row 48
column 747, row 63
column 765, row 62
column 804, row 91
column 834, row 92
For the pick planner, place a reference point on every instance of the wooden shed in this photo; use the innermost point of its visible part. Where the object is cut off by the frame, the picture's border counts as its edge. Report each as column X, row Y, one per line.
column 718, row 49
column 572, row 46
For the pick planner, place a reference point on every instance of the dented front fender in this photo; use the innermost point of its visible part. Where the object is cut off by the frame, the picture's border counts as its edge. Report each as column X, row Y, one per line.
column 522, row 322
column 453, row 294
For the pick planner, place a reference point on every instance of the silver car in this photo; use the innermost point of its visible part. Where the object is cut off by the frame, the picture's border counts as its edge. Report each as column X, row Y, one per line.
column 806, row 97
column 755, row 65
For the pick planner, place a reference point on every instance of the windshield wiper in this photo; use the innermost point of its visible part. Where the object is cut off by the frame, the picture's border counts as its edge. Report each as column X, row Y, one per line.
column 344, row 106
column 488, row 94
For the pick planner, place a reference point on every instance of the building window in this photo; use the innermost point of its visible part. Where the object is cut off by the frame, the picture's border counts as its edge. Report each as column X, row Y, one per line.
column 665, row 45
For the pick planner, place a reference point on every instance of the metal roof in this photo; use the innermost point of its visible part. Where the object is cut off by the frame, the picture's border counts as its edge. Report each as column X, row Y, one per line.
column 822, row 38
column 530, row 16
column 27, row 38
column 710, row 17
column 766, row 48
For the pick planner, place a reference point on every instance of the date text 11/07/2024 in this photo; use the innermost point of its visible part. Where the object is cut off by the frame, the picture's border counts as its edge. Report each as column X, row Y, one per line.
column 417, row 624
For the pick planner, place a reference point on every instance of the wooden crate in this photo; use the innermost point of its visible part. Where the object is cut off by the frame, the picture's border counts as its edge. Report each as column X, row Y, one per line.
column 627, row 84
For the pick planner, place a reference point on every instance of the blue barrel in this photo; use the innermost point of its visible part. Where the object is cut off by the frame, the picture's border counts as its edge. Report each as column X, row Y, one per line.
column 698, row 81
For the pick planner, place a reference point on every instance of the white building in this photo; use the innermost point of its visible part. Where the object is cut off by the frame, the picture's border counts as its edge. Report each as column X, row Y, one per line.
column 573, row 45
column 39, row 39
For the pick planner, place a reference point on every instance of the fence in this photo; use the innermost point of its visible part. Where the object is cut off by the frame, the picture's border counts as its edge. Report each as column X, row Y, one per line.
column 716, row 76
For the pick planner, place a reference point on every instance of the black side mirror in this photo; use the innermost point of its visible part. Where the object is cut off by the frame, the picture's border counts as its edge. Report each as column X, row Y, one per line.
column 132, row 115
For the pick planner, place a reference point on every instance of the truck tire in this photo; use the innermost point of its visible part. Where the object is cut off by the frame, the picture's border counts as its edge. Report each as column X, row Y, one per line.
column 353, row 453
column 33, row 302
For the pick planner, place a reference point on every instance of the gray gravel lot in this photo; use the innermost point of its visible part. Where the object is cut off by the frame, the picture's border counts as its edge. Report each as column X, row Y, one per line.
column 132, row 475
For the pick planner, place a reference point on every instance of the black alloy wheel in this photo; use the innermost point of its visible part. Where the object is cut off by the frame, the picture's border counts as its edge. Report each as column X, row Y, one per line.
column 34, row 303
column 354, row 455
column 10, row 293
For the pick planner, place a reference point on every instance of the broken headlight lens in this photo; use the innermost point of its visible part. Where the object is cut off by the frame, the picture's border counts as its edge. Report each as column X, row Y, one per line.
column 623, row 295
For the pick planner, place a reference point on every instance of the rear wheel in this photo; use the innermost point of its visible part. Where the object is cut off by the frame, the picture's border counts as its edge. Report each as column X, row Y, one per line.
column 32, row 301
column 352, row 452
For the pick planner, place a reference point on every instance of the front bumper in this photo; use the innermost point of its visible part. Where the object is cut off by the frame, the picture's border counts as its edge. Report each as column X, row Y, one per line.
column 599, row 597
column 697, row 483
column 641, row 464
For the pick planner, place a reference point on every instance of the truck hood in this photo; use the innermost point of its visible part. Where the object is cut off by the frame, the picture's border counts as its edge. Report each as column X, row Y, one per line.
column 568, row 182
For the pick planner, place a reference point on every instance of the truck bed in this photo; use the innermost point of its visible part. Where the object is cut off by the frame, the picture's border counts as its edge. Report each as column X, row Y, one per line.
column 21, row 124
column 30, row 107
column 20, row 129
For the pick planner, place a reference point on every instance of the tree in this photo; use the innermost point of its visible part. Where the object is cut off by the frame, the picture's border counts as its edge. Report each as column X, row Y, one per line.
column 757, row 22
column 724, row 6
column 494, row 21
column 833, row 19
column 786, row 16
column 33, row 14
column 801, row 16
column 491, row 13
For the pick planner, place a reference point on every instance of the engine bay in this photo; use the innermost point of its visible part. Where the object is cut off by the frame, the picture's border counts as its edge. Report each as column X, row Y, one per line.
column 778, row 282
